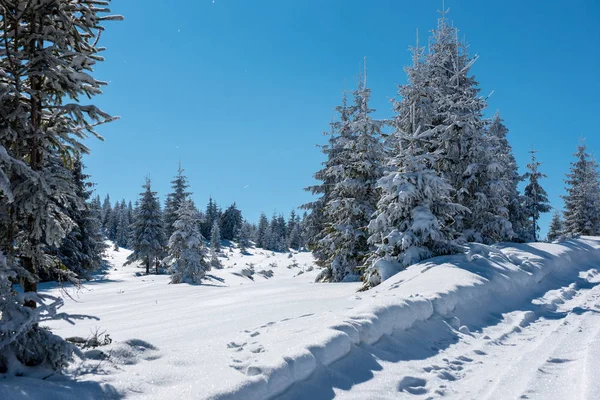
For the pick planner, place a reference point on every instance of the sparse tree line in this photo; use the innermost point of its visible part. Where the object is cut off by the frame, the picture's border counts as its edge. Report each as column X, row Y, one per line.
column 443, row 177
column 158, row 237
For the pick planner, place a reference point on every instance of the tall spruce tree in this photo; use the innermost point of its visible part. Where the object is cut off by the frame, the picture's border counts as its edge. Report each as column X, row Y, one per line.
column 582, row 202
column 415, row 214
column 456, row 134
column 508, row 174
column 148, row 234
column 535, row 198
column 210, row 216
column 81, row 250
column 49, row 51
column 187, row 253
column 174, row 200
column 354, row 195
column 123, row 228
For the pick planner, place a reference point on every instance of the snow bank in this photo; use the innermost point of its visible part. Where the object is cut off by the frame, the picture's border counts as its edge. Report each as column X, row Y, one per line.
column 454, row 287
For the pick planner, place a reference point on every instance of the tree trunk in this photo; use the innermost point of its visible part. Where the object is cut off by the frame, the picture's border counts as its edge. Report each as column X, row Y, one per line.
column 147, row 265
column 29, row 286
column 157, row 263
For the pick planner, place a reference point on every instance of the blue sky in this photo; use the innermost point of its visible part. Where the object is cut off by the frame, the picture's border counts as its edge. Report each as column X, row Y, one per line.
column 240, row 91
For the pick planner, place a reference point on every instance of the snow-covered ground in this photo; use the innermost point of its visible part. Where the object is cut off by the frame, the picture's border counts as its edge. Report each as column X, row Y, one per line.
column 511, row 321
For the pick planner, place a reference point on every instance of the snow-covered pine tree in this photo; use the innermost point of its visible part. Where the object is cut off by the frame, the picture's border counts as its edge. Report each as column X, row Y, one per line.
column 148, row 234
column 123, row 229
column 174, row 200
column 210, row 216
column 535, row 198
column 582, row 202
column 556, row 227
column 509, row 175
column 262, row 233
column 106, row 213
column 81, row 250
column 187, row 253
column 49, row 50
column 354, row 195
column 243, row 236
column 215, row 237
column 231, row 222
column 314, row 228
column 415, row 214
column 457, row 126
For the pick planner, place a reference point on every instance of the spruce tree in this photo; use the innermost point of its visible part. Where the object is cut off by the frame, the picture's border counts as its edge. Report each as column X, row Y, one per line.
column 508, row 174
column 106, row 213
column 354, row 195
column 210, row 216
column 231, row 222
column 243, row 236
column 187, row 253
column 122, row 231
column 535, row 197
column 456, row 134
column 215, row 238
column 582, row 202
column 415, row 214
column 81, row 250
column 49, row 51
column 262, row 232
column 174, row 200
column 148, row 234
column 556, row 229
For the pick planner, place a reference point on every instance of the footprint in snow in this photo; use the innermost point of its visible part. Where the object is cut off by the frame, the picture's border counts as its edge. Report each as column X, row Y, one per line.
column 412, row 385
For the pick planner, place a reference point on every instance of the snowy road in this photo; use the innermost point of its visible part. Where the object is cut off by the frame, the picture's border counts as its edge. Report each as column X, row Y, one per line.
column 548, row 348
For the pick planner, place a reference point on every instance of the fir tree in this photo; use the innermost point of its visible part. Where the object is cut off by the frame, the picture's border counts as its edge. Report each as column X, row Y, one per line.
column 106, row 213
column 215, row 238
column 81, row 250
column 243, row 236
column 174, row 200
column 457, row 126
column 415, row 214
column 122, row 231
column 231, row 222
column 148, row 234
column 186, row 247
column 49, row 51
column 262, row 232
column 535, row 197
column 556, row 227
column 582, row 202
column 508, row 175
column 354, row 195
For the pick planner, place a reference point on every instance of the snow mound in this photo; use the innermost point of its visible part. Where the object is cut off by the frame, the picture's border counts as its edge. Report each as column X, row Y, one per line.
column 485, row 278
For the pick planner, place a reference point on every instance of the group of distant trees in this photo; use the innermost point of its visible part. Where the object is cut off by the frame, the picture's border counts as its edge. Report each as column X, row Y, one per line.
column 445, row 176
column 148, row 230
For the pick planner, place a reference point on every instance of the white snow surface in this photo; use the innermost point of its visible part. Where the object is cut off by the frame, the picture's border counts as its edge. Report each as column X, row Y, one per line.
column 499, row 322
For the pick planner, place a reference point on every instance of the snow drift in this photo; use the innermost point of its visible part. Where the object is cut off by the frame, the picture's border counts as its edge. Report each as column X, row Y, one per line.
column 485, row 279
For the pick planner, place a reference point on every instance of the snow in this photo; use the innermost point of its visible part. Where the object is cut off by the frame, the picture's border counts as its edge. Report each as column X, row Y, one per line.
column 478, row 325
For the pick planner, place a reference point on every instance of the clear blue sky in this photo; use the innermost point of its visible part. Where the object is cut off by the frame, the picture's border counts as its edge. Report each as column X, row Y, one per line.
column 240, row 91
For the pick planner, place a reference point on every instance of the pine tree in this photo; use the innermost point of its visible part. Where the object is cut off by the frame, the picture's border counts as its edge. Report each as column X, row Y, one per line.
column 457, row 126
column 556, row 227
column 106, row 214
column 148, row 235
column 187, row 254
column 508, row 174
column 415, row 214
column 215, row 237
column 174, row 200
column 211, row 214
column 231, row 222
column 81, row 250
column 122, row 231
column 262, row 232
column 535, row 197
column 582, row 202
column 243, row 236
column 354, row 195
column 49, row 50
